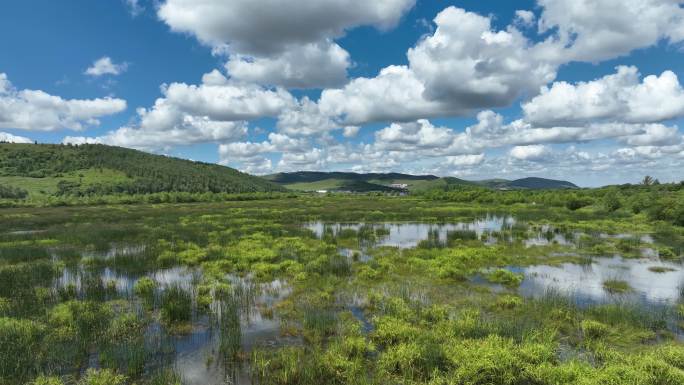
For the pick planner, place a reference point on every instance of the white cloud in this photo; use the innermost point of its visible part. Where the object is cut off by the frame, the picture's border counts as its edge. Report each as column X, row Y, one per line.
column 314, row 159
column 7, row 137
column 524, row 18
column 599, row 30
column 321, row 64
column 466, row 65
column 219, row 98
column 39, row 111
column 532, row 153
column 413, row 136
column 134, row 7
column 465, row 160
column 617, row 97
column 394, row 95
column 275, row 143
column 305, row 119
column 469, row 64
column 463, row 66
column 655, row 135
column 105, row 66
column 280, row 42
column 270, row 26
column 217, row 110
column 351, row 131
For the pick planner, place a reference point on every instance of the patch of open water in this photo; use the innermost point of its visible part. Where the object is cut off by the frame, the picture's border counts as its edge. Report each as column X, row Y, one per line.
column 585, row 282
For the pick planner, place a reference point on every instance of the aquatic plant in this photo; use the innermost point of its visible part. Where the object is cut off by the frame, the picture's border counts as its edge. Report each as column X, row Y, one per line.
column 20, row 340
column 123, row 345
column 165, row 377
column 505, row 277
column 176, row 305
column 594, row 329
column 661, row 269
column 145, row 288
column 102, row 377
column 616, row 286
column 319, row 322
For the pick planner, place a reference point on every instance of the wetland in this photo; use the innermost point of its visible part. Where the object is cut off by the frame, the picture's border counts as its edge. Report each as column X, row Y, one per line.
column 350, row 289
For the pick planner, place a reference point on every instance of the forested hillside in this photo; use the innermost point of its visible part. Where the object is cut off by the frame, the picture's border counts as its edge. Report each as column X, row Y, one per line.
column 350, row 181
column 104, row 170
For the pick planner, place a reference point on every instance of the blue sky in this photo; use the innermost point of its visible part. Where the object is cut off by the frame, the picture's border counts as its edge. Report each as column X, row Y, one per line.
column 442, row 87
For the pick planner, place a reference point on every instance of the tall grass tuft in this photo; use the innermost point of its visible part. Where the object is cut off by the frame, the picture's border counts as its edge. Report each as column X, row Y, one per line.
column 176, row 305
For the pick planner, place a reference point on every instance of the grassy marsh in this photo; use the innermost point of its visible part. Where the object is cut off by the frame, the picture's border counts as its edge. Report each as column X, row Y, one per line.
column 350, row 289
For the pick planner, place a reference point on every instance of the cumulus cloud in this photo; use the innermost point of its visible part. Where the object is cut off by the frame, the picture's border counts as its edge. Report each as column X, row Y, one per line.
column 39, row 111
column 321, row 64
column 616, row 97
column 269, row 26
column 534, row 152
column 465, row 160
column 524, row 18
column 214, row 111
column 351, row 131
column 655, row 135
column 312, row 160
column 306, row 119
column 413, row 136
column 105, row 66
column 599, row 30
column 275, row 143
column 7, row 137
column 465, row 65
column 271, row 46
column 468, row 63
column 219, row 98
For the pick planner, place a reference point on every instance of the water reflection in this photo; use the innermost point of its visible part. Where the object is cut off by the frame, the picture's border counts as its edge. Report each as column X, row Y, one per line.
column 407, row 235
column 585, row 282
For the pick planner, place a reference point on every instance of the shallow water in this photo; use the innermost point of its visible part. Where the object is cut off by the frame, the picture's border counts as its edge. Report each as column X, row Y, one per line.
column 585, row 282
column 407, row 235
column 196, row 355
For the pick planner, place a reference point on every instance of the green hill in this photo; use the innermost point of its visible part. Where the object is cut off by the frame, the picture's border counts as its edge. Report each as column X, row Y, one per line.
column 541, row 183
column 347, row 181
column 93, row 169
column 528, row 183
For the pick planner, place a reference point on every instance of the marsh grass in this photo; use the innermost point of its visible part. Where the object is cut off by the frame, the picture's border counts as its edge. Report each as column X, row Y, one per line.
column 617, row 286
column 421, row 320
column 123, row 345
column 319, row 322
column 176, row 305
column 145, row 289
column 230, row 329
column 23, row 253
column 19, row 340
column 661, row 269
column 505, row 277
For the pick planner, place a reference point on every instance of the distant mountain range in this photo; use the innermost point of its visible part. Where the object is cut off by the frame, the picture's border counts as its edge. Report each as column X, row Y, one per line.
column 87, row 170
column 355, row 182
